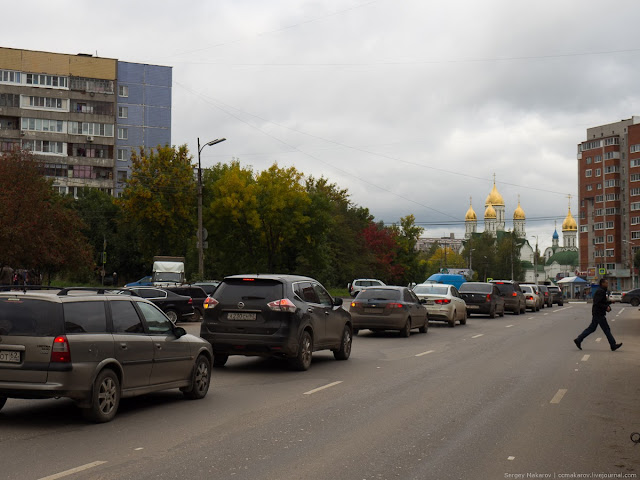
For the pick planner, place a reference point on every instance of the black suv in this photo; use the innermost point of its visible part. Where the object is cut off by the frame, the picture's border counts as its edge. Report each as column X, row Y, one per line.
column 275, row 315
column 513, row 297
column 197, row 294
column 556, row 295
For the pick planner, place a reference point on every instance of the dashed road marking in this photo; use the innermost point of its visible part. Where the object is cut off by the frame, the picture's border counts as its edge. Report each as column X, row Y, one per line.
column 138, row 449
column 511, row 458
column 479, row 335
column 329, row 385
column 530, row 318
column 508, row 326
column 621, row 310
column 585, row 358
column 425, row 353
column 546, row 314
column 598, row 339
column 558, row 396
column 71, row 471
column 560, row 309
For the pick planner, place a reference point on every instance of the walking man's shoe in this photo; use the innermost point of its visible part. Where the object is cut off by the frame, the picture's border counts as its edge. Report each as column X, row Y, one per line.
column 615, row 347
column 578, row 343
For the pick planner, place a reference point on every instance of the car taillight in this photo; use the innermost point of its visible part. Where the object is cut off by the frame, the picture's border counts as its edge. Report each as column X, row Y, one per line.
column 394, row 305
column 442, row 301
column 488, row 297
column 283, row 305
column 210, row 302
column 514, row 294
column 190, row 301
column 356, row 304
column 60, row 353
column 529, row 297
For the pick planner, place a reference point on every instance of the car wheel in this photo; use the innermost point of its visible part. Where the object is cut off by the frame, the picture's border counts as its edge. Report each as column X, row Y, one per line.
column 105, row 397
column 200, row 379
column 517, row 312
column 452, row 322
column 635, row 302
column 197, row 316
column 463, row 320
column 345, row 346
column 502, row 312
column 424, row 328
column 3, row 400
column 560, row 304
column 406, row 330
column 524, row 309
column 173, row 316
column 492, row 312
column 302, row 361
column 220, row 360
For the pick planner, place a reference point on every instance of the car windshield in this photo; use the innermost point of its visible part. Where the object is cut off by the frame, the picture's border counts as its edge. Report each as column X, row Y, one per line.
column 431, row 289
column 379, row 294
column 471, row 287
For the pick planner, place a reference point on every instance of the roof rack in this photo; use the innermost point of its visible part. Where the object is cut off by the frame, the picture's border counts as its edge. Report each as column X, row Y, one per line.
column 24, row 288
column 98, row 290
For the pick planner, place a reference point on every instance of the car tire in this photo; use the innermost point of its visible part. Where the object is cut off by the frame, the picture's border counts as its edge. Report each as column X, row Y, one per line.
column 517, row 311
column 463, row 320
column 355, row 331
column 172, row 315
column 200, row 379
column 406, row 330
column 3, row 400
column 560, row 304
column 220, row 360
column 501, row 312
column 345, row 345
column 197, row 315
column 452, row 322
column 492, row 312
column 524, row 309
column 302, row 361
column 635, row 302
column 105, row 397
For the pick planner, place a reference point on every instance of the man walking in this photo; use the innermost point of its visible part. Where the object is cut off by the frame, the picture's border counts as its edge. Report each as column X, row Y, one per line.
column 601, row 305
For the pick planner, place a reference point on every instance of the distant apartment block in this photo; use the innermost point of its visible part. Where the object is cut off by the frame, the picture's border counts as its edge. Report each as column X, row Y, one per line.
column 68, row 111
column 609, row 189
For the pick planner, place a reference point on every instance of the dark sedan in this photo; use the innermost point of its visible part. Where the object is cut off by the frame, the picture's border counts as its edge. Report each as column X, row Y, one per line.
column 389, row 308
column 632, row 297
column 178, row 308
column 482, row 298
column 197, row 294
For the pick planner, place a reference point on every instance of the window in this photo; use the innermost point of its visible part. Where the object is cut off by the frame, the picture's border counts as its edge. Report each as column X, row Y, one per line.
column 45, row 103
column 598, row 226
column 612, row 211
column 611, row 266
column 91, row 129
column 591, row 145
column 89, row 150
column 95, row 85
column 609, row 252
column 157, row 322
column 123, row 134
column 611, row 183
column 609, row 238
column 635, row 235
column 598, row 172
column 612, row 169
column 9, row 100
column 588, row 173
column 52, row 81
column 635, row 206
column 588, row 160
column 10, row 76
column 43, row 125
column 584, row 228
column 85, row 317
column 599, row 198
column 610, row 155
column 123, row 90
column 92, row 107
column 125, row 318
column 122, row 176
column 598, row 212
column 325, row 298
column 122, row 154
column 634, row 163
column 123, row 112
column 589, row 187
column 598, row 240
column 635, row 177
column 635, row 220
column 634, row 191
column 634, row 148
column 33, row 318
column 597, row 159
column 599, row 187
column 612, row 141
column 44, row 146
column 612, row 197
column 305, row 292
column 610, row 225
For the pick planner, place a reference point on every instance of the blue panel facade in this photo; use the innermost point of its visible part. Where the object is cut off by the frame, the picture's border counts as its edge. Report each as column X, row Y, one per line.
column 149, row 109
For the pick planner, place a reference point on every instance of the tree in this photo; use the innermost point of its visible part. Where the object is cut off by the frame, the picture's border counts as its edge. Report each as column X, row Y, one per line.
column 381, row 244
column 407, row 235
column 160, row 199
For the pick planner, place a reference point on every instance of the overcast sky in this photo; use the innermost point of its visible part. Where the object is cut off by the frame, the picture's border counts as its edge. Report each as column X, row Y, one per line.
column 410, row 104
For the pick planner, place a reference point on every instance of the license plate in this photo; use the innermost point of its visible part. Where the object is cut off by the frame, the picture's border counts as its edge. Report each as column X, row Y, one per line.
column 372, row 310
column 9, row 356
column 472, row 306
column 241, row 316
column 430, row 302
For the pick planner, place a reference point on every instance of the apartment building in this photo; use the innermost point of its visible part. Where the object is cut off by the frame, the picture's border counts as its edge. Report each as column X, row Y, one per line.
column 609, row 190
column 65, row 109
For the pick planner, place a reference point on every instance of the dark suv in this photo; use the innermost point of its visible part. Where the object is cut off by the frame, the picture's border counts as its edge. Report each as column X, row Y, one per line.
column 275, row 315
column 556, row 295
column 514, row 300
column 95, row 346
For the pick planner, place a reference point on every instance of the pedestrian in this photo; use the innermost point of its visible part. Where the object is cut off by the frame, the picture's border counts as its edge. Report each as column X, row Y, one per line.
column 115, row 279
column 601, row 305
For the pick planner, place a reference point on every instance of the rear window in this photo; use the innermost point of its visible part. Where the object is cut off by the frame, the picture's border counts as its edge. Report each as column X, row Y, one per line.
column 471, row 287
column 85, row 317
column 430, row 290
column 504, row 287
column 234, row 291
column 553, row 289
column 369, row 283
column 526, row 288
column 29, row 317
column 379, row 294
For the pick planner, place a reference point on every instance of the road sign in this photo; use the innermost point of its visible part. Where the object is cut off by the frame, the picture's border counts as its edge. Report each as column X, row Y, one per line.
column 489, row 279
column 602, row 271
column 104, row 257
column 444, row 270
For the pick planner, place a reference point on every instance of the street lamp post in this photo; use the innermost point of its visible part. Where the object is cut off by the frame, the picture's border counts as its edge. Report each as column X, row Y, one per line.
column 200, row 234
column 535, row 259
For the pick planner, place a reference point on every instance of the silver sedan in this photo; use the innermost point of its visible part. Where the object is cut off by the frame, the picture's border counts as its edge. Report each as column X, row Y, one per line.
column 443, row 303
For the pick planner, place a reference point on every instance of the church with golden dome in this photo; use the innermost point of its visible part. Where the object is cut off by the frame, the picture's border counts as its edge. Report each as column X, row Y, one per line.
column 563, row 260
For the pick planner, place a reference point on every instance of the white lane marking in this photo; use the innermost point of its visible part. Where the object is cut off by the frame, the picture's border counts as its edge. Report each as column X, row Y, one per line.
column 598, row 339
column 479, row 335
column 560, row 309
column 530, row 318
column 138, row 449
column 71, row 471
column 508, row 326
column 613, row 319
column 558, row 396
column 332, row 384
column 546, row 314
column 425, row 353
column 511, row 458
column 585, row 358
column 621, row 310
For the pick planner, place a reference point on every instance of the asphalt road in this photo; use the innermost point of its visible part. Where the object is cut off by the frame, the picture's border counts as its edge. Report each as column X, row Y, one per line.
column 494, row 399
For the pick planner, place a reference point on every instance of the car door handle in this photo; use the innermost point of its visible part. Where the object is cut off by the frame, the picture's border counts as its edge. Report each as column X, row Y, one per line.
column 123, row 346
column 326, row 313
column 310, row 310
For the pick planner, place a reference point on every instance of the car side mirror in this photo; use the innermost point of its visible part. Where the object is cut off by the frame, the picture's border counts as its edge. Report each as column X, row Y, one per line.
column 423, row 301
column 337, row 302
column 179, row 332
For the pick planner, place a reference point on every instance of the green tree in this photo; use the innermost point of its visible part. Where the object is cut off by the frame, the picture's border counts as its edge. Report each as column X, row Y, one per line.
column 160, row 199
column 407, row 234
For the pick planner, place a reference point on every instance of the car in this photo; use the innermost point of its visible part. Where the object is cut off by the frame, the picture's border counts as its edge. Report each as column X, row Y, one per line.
column 532, row 299
column 389, row 308
column 443, row 303
column 513, row 298
column 556, row 295
column 632, row 297
column 286, row 316
column 197, row 294
column 362, row 283
column 482, row 298
column 178, row 308
column 143, row 282
column 447, row 278
column 539, row 296
column 209, row 286
column 546, row 296
column 95, row 347
column 615, row 297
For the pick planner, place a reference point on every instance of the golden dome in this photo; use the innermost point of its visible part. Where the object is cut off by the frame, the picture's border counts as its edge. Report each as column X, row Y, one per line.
column 494, row 197
column 518, row 214
column 490, row 212
column 471, row 215
column 569, row 224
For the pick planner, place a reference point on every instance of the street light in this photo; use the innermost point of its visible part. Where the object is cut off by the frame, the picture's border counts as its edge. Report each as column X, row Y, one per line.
column 200, row 231
column 535, row 259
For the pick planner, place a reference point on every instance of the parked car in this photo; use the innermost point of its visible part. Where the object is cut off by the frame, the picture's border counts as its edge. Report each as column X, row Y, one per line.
column 615, row 297
column 285, row 316
column 209, row 286
column 197, row 294
column 513, row 298
column 143, row 282
column 484, row 298
column 361, row 283
column 176, row 307
column 632, row 297
column 95, row 347
column 532, row 299
column 443, row 303
column 556, row 295
column 389, row 308
column 546, row 296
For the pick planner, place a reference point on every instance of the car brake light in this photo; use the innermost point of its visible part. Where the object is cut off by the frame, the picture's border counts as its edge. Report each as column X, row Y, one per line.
column 60, row 353
column 488, row 297
column 190, row 301
column 283, row 305
column 210, row 302
column 529, row 297
column 248, row 279
column 394, row 305
column 514, row 294
column 442, row 301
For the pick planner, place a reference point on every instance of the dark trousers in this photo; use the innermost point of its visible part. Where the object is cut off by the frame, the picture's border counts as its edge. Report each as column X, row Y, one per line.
column 595, row 321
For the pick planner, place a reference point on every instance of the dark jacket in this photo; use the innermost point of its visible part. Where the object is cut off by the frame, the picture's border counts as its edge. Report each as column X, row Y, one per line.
column 600, row 303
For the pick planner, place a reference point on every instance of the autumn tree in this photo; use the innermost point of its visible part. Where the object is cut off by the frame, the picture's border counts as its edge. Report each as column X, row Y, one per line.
column 407, row 234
